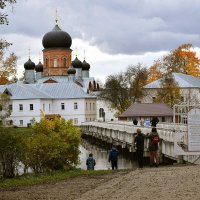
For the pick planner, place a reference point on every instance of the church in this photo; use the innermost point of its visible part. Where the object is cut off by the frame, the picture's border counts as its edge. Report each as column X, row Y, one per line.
column 59, row 86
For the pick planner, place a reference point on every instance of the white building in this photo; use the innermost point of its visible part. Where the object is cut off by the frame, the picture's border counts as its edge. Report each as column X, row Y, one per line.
column 30, row 101
column 189, row 89
column 59, row 86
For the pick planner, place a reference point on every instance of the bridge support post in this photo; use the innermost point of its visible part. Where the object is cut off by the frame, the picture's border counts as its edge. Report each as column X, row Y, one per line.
column 180, row 159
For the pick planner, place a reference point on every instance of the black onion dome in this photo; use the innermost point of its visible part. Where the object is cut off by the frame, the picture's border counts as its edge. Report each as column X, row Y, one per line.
column 29, row 65
column 71, row 70
column 77, row 63
column 57, row 38
column 39, row 67
column 85, row 65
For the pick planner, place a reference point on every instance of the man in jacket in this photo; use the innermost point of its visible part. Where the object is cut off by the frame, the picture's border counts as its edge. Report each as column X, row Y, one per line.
column 139, row 146
column 113, row 157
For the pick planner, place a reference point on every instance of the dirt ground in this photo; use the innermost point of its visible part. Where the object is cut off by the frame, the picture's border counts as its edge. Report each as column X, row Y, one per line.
column 163, row 183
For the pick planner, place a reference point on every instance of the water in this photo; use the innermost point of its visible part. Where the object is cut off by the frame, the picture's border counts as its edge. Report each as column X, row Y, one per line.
column 101, row 156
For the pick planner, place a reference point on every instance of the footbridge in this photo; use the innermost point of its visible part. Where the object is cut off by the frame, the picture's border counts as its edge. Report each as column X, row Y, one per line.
column 122, row 133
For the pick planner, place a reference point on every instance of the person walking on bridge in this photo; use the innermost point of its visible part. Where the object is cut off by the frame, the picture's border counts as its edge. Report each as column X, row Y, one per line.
column 139, row 146
column 153, row 147
column 113, row 157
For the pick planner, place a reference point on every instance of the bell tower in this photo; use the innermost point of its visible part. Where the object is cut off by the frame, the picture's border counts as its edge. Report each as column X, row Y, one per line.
column 56, row 52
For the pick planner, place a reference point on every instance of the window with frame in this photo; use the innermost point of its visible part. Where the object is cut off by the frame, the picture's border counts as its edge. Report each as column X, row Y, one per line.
column 86, row 106
column 62, row 106
column 1, row 107
column 64, row 62
column 47, row 62
column 21, row 122
column 21, row 107
column 31, row 106
column 49, row 107
column 75, row 120
column 10, row 107
column 55, row 62
column 75, row 106
column 43, row 106
column 93, row 106
column 101, row 111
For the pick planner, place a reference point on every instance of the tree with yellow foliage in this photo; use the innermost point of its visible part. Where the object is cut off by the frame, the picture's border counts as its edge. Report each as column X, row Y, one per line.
column 180, row 60
column 53, row 145
column 7, row 65
column 169, row 92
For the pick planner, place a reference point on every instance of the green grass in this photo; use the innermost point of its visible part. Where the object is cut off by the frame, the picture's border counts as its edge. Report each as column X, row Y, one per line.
column 32, row 179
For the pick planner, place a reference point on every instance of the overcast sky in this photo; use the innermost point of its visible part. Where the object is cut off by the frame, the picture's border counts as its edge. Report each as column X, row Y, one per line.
column 114, row 33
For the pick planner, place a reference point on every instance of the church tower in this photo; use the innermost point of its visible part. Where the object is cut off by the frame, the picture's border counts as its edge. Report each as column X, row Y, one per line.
column 56, row 52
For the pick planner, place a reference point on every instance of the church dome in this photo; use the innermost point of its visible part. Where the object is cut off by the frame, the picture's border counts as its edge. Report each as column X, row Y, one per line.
column 57, row 39
column 77, row 63
column 71, row 70
column 39, row 67
column 29, row 65
column 85, row 65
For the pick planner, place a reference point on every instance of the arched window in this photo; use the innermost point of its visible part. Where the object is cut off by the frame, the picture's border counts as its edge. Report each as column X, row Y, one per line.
column 55, row 62
column 101, row 112
column 64, row 62
column 47, row 62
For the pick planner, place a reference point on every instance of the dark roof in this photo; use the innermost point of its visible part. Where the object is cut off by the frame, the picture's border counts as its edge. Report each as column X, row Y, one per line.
column 85, row 66
column 148, row 109
column 71, row 70
column 57, row 39
column 29, row 65
column 39, row 67
column 76, row 63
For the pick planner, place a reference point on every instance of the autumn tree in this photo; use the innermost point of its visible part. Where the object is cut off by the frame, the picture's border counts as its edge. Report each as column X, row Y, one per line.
column 7, row 65
column 122, row 89
column 154, row 71
column 53, row 145
column 169, row 91
column 180, row 60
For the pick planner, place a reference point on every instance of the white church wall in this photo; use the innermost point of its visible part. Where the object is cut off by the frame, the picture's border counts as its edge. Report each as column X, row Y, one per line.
column 90, row 109
column 73, row 109
column 109, row 113
column 27, row 114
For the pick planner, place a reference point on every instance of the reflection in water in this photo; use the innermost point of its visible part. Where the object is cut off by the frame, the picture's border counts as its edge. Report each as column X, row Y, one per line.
column 101, row 157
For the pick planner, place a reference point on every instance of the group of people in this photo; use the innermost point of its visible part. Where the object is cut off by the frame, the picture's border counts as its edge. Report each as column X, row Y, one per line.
column 153, row 147
column 153, row 122
column 113, row 159
column 139, row 147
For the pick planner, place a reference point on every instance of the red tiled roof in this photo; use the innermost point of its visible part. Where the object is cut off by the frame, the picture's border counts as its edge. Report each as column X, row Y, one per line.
column 148, row 109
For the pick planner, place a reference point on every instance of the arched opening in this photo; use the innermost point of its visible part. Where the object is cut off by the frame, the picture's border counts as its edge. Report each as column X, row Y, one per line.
column 64, row 62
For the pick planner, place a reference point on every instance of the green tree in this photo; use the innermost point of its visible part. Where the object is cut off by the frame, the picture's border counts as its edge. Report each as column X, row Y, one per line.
column 169, row 93
column 9, row 143
column 116, row 93
column 53, row 145
column 136, row 76
column 122, row 89
column 4, row 107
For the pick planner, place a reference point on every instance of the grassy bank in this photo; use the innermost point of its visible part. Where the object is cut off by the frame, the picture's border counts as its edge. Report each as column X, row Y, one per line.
column 32, row 179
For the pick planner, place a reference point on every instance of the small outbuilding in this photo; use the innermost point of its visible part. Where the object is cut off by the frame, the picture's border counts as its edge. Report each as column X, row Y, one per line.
column 147, row 111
